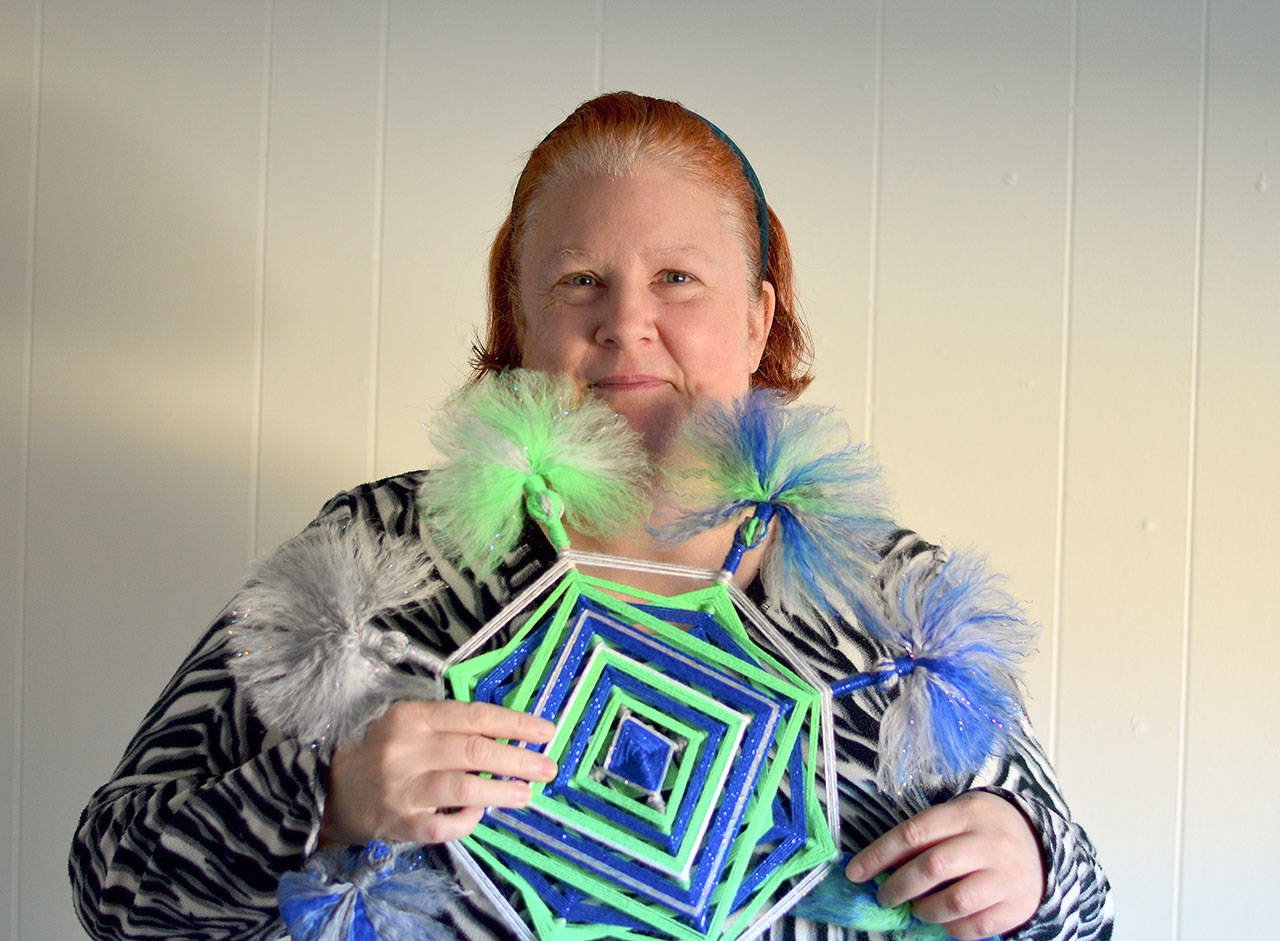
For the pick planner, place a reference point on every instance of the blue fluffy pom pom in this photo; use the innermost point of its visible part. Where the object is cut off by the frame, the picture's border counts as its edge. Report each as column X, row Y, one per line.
column 960, row 701
column 377, row 893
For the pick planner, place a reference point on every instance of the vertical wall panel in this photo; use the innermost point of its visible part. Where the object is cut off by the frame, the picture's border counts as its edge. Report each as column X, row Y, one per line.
column 1129, row 392
column 1232, row 820
column 319, row 311
column 472, row 88
column 145, row 273
column 778, row 84
column 968, row 332
column 19, row 26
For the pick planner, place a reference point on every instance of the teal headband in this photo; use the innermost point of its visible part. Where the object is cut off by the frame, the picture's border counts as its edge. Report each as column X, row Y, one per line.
column 762, row 208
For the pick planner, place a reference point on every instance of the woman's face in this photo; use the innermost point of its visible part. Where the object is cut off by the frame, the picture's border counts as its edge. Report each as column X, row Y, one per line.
column 637, row 288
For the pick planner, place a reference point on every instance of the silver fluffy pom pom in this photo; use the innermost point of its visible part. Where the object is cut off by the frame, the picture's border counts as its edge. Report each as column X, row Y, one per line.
column 304, row 640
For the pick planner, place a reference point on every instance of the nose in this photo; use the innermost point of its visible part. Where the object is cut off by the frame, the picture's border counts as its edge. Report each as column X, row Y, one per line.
column 628, row 316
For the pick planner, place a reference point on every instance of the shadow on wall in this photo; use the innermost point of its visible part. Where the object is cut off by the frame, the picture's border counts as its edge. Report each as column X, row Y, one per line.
column 140, row 492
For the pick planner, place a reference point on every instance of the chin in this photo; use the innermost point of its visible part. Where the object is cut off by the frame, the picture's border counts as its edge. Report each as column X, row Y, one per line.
column 657, row 425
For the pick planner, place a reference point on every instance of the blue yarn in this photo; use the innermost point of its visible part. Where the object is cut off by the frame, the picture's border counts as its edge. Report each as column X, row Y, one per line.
column 798, row 462
column 880, row 677
column 960, row 701
column 640, row 756
column 362, row 928
column 375, row 893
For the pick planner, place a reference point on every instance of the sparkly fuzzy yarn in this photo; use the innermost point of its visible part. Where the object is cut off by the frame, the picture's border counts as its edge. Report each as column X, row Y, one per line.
column 822, row 491
column 380, row 892
column 304, row 639
column 524, row 434
column 959, row 704
column 838, row 901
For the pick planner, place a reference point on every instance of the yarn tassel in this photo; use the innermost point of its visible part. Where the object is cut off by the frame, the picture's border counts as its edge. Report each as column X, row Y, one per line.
column 822, row 491
column 303, row 634
column 963, row 641
column 526, row 439
column 377, row 893
column 838, row 901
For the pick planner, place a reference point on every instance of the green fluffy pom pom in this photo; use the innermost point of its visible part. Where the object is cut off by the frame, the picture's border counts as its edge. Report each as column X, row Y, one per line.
column 525, row 442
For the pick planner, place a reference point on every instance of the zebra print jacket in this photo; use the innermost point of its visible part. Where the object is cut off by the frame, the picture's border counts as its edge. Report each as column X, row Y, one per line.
column 208, row 808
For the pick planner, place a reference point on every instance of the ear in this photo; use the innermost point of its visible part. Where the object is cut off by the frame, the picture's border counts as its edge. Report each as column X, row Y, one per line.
column 760, row 321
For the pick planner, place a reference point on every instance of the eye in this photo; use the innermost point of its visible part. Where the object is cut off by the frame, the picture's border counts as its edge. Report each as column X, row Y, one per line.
column 580, row 280
column 676, row 277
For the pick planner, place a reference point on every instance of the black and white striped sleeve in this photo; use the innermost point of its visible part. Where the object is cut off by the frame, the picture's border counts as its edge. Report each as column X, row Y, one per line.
column 202, row 815
column 207, row 808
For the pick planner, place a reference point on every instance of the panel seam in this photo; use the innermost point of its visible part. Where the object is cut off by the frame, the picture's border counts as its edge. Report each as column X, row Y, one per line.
column 24, row 461
column 260, row 301
column 597, row 64
column 1184, row 690
column 1064, row 382
column 873, row 212
column 379, row 234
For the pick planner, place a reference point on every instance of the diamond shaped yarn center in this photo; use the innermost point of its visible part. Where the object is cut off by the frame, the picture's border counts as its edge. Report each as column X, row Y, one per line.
column 639, row 756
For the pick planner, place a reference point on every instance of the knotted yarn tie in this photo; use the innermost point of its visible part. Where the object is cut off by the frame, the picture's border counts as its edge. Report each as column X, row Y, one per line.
column 883, row 676
column 749, row 534
column 389, row 646
column 545, row 506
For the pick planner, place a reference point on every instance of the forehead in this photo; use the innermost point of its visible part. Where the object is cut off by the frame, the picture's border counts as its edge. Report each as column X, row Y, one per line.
column 645, row 210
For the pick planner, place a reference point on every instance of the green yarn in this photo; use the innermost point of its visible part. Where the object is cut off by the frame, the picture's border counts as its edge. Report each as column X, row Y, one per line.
column 526, row 442
column 545, row 506
column 838, row 901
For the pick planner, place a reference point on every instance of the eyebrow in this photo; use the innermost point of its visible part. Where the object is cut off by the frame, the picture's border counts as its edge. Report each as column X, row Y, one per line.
column 663, row 252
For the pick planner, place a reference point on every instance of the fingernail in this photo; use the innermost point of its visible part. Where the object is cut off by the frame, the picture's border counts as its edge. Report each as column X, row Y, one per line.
column 856, row 871
column 524, row 794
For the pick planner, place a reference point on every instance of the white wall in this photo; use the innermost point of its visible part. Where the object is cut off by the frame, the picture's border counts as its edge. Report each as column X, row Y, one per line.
column 241, row 253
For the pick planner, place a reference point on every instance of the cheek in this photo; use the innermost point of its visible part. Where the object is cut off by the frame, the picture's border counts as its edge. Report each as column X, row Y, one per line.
column 719, row 361
column 534, row 348
column 547, row 343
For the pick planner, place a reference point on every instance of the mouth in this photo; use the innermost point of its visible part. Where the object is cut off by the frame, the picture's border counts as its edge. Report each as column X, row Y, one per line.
column 627, row 383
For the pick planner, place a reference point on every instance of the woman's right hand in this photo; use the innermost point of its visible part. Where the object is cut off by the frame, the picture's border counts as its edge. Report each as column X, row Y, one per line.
column 415, row 776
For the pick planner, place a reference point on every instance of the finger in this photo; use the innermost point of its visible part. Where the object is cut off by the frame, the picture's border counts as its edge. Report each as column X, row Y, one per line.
column 989, row 923
column 453, row 789
column 482, row 718
column 940, row 864
column 451, row 751
column 436, row 827
column 962, row 899
column 905, row 841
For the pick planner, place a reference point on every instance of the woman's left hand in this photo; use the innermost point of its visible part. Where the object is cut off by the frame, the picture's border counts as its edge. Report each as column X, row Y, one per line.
column 972, row 865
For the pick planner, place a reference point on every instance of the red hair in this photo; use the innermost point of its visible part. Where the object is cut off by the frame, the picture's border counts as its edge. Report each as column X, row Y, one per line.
column 614, row 135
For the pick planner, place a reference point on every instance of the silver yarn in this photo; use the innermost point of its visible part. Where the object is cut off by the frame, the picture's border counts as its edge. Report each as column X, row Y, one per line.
column 304, row 639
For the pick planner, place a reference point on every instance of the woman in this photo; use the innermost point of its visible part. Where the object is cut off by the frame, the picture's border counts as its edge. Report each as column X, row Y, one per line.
column 640, row 260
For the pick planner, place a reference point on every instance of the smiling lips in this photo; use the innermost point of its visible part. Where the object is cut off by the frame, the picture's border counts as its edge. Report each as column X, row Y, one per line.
column 627, row 383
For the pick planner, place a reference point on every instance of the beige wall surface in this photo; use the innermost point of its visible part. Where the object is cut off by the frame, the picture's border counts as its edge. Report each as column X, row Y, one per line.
column 241, row 259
